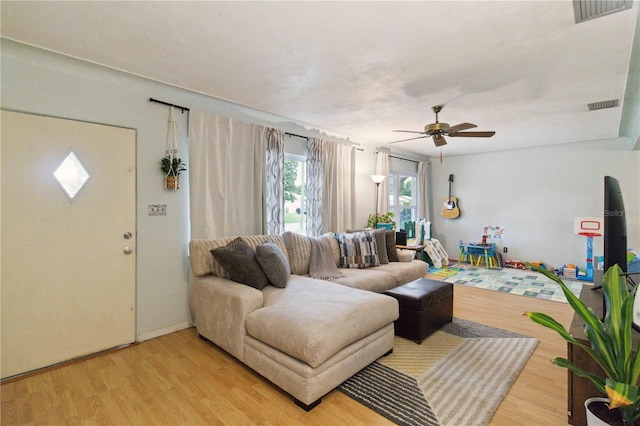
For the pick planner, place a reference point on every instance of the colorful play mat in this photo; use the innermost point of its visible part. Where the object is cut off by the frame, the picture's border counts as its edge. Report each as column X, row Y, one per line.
column 513, row 281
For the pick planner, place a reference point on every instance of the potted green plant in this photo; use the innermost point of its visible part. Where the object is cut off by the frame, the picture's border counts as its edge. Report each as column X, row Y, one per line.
column 381, row 218
column 172, row 167
column 610, row 342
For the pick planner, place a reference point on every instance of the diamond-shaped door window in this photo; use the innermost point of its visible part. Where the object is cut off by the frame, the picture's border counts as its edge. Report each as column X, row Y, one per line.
column 71, row 175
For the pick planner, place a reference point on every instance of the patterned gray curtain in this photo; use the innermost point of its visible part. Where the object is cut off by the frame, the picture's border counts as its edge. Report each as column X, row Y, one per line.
column 315, row 184
column 275, row 181
column 330, row 187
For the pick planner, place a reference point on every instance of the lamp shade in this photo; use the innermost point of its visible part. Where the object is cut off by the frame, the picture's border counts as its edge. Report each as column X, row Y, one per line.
column 377, row 178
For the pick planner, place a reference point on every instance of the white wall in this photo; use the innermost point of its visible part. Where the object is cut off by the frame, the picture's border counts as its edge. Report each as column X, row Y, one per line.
column 37, row 81
column 535, row 194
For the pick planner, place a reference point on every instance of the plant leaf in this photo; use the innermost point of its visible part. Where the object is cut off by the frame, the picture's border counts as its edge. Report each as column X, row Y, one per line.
column 621, row 394
column 547, row 321
column 594, row 328
column 597, row 381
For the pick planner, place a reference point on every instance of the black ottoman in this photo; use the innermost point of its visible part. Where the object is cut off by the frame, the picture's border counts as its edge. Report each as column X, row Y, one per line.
column 425, row 306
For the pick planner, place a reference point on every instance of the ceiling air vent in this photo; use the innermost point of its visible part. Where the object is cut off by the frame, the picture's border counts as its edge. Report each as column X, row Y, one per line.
column 585, row 10
column 603, row 105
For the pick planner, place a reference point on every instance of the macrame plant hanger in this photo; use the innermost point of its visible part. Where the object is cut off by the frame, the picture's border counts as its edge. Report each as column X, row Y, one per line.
column 172, row 179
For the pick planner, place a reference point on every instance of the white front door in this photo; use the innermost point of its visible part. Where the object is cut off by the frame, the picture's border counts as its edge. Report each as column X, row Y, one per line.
column 67, row 246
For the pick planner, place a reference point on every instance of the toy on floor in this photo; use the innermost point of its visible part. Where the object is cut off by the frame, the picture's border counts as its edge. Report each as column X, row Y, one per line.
column 570, row 271
column 444, row 257
column 515, row 264
column 589, row 227
column 633, row 262
column 433, row 254
column 539, row 265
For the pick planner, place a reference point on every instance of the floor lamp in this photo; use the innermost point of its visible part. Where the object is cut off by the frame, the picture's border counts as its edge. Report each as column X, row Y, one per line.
column 377, row 179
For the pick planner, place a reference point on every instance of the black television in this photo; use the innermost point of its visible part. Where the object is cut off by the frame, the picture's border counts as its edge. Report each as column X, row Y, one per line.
column 615, row 226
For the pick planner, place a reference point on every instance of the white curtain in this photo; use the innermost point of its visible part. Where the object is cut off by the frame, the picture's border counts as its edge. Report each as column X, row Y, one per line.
column 275, row 181
column 422, row 189
column 382, row 168
column 338, row 193
column 330, row 187
column 227, row 176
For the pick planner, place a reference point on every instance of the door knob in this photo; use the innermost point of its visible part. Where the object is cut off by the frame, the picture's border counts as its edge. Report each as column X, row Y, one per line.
column 127, row 250
column 127, row 235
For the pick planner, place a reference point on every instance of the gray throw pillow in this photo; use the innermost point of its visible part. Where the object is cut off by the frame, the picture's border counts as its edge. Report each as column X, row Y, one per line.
column 381, row 243
column 392, row 254
column 274, row 264
column 239, row 260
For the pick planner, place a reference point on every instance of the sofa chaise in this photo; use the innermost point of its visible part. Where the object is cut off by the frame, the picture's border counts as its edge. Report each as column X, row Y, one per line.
column 312, row 334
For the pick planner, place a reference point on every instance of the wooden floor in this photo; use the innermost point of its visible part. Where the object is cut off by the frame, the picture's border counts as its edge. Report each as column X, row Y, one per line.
column 180, row 379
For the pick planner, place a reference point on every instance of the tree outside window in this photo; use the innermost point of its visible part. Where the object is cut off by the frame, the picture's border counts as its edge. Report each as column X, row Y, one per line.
column 295, row 218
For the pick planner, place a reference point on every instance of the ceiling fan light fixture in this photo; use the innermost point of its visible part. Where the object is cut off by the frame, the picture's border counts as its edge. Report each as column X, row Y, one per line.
column 439, row 140
column 435, row 127
column 438, row 130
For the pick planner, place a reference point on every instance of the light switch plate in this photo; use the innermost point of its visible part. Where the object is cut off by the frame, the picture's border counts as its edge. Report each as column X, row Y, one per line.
column 157, row 209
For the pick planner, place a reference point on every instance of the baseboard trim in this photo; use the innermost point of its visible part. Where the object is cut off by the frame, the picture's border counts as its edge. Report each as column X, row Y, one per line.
column 63, row 364
column 162, row 331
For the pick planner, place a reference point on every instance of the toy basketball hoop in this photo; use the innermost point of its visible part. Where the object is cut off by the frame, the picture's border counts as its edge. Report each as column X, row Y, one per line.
column 589, row 227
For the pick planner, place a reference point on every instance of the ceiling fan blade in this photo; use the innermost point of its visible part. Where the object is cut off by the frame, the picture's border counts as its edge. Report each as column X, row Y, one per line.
column 439, row 140
column 407, row 131
column 472, row 134
column 461, row 126
column 410, row 139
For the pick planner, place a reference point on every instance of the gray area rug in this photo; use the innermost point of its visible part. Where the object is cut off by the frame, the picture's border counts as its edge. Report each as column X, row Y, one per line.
column 457, row 376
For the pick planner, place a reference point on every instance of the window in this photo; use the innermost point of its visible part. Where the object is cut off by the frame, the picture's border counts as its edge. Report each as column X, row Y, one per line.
column 402, row 197
column 71, row 175
column 295, row 206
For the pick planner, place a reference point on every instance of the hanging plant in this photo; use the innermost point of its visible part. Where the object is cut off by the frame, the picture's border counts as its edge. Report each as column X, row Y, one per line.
column 171, row 164
column 172, row 167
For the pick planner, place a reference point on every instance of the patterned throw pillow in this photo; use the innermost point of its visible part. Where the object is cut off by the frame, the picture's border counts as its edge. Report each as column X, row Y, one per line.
column 239, row 260
column 381, row 242
column 274, row 264
column 358, row 250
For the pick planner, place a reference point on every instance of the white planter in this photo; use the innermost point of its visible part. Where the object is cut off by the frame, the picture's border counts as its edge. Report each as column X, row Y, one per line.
column 592, row 420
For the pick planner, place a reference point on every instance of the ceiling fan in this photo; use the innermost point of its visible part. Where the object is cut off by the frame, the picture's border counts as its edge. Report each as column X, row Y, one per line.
column 438, row 130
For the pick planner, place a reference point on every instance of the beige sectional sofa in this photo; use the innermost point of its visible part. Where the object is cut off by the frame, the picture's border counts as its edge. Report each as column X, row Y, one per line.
column 308, row 337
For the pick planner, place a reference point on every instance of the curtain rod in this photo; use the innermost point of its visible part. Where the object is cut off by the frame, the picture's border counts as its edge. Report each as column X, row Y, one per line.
column 297, row 136
column 307, row 138
column 405, row 159
column 183, row 109
column 401, row 158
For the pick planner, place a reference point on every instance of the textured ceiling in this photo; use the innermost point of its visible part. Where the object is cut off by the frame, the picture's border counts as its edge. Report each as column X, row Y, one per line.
column 362, row 69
